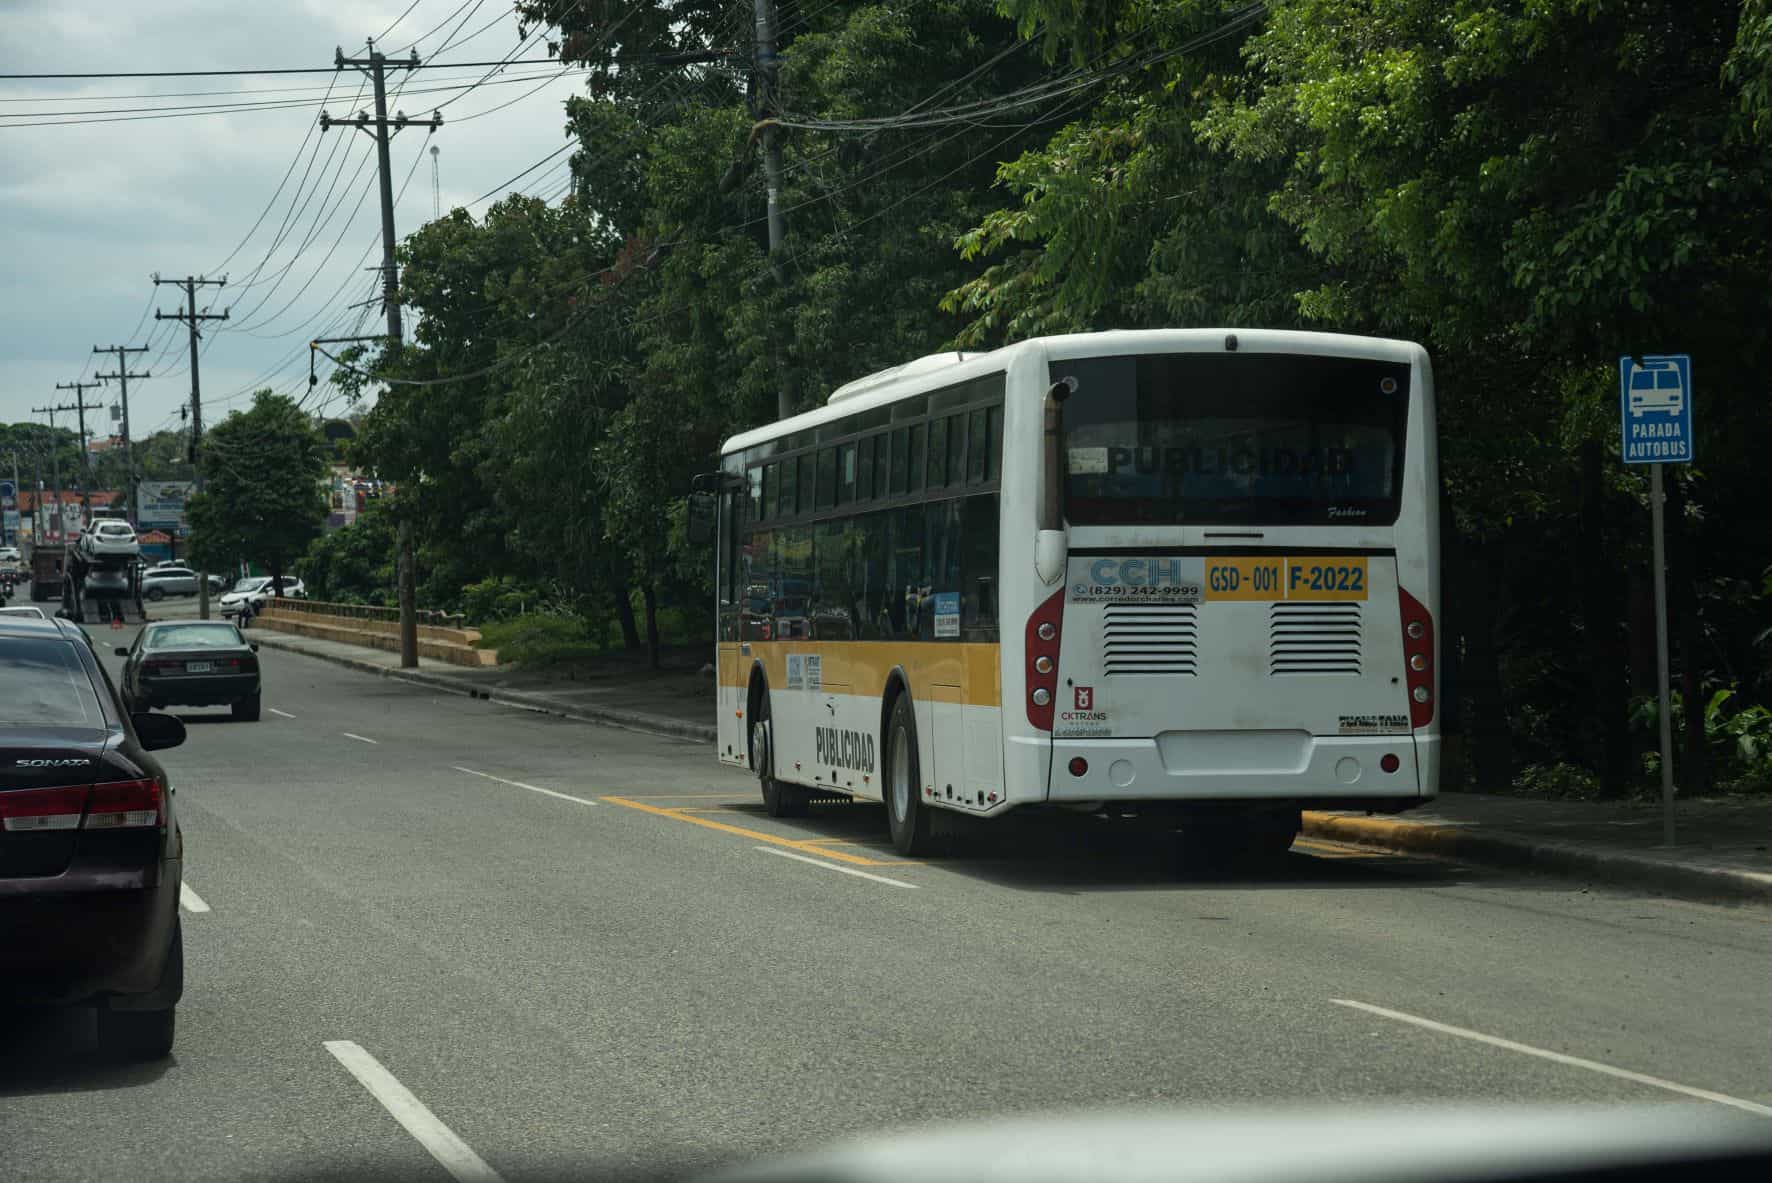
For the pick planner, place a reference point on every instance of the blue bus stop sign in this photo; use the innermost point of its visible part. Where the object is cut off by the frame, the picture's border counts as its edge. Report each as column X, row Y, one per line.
column 1655, row 403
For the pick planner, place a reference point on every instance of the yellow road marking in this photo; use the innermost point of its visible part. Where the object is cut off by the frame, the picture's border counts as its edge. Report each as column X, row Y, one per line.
column 734, row 796
column 808, row 846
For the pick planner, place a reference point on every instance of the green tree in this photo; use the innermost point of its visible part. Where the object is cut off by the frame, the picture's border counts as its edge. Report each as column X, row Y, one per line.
column 262, row 498
column 354, row 564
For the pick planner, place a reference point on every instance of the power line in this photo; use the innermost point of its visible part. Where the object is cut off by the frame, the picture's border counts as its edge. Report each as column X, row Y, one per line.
column 197, row 110
column 420, row 38
column 384, row 33
column 424, row 65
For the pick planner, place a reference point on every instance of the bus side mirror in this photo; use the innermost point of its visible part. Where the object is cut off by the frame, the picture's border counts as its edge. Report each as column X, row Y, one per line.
column 703, row 518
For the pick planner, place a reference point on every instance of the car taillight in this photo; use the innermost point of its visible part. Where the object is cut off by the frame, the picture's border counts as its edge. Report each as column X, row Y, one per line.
column 124, row 804
column 1418, row 659
column 161, row 666
column 1042, row 659
column 25, row 810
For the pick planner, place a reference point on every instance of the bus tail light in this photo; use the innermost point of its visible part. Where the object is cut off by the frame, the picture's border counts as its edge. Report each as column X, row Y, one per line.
column 1043, row 635
column 1418, row 659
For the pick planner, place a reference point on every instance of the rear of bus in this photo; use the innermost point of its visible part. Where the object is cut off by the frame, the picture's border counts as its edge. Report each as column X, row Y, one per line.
column 1245, row 620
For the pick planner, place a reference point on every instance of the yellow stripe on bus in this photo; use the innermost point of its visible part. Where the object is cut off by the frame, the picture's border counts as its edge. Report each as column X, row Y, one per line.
column 939, row 671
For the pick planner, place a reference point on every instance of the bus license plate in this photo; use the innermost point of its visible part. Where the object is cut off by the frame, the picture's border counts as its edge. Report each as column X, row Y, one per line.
column 1317, row 577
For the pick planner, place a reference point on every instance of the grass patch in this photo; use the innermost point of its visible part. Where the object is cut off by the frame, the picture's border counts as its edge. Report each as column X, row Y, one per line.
column 541, row 640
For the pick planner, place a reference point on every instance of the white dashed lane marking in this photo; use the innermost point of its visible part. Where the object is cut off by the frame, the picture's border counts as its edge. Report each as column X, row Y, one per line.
column 1527, row 1049
column 454, row 1155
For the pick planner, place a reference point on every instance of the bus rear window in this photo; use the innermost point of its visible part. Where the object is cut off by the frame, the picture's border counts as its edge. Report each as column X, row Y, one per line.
column 1233, row 439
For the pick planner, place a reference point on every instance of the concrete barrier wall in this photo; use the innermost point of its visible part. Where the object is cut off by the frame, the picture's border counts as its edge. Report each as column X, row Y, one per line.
column 452, row 645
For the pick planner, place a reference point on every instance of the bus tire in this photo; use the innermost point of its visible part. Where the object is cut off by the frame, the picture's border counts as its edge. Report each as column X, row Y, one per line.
column 909, row 819
column 779, row 799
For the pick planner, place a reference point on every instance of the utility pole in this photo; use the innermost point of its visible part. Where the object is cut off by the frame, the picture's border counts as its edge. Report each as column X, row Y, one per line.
column 16, row 490
column 123, row 376
column 55, row 474
column 376, row 65
column 80, row 406
column 766, row 74
column 194, row 321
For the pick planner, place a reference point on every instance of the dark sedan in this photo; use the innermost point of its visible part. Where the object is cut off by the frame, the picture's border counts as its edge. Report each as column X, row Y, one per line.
column 192, row 663
column 90, row 852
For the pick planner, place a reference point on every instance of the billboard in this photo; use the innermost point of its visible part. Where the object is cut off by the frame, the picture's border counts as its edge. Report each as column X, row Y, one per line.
column 161, row 504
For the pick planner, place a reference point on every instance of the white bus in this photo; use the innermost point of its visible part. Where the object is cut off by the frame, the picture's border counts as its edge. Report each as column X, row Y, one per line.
column 1190, row 575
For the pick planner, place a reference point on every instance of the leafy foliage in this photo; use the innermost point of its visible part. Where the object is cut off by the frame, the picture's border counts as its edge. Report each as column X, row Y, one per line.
column 1528, row 189
column 262, row 500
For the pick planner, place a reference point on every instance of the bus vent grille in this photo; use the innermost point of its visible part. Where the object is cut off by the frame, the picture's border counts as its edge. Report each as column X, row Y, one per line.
column 1314, row 638
column 1150, row 639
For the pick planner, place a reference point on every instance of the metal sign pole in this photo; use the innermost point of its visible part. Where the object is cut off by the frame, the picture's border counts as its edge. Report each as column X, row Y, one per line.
column 1658, row 543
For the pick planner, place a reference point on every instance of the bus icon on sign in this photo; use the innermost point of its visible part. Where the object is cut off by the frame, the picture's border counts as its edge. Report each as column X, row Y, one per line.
column 1656, row 386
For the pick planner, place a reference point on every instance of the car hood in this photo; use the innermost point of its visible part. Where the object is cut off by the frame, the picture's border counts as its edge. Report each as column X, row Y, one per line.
column 1353, row 1144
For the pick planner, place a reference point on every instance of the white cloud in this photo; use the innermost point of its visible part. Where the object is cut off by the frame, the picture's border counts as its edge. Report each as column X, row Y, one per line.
column 91, row 210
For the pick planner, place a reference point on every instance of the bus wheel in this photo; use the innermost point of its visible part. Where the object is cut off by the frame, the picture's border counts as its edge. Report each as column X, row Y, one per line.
column 779, row 800
column 908, row 818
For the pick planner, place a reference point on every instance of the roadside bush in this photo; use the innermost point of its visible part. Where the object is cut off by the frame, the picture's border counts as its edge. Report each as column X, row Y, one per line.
column 539, row 639
column 501, row 597
column 1739, row 738
column 1558, row 780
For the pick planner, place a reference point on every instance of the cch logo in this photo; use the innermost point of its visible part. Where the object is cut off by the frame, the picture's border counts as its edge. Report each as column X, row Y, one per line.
column 1085, row 698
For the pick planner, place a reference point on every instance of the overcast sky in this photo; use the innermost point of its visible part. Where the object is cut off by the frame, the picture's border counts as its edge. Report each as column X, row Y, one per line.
column 92, row 209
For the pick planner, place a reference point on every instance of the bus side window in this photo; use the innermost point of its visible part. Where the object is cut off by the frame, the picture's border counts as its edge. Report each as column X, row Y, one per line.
column 846, row 474
column 833, row 605
column 978, row 569
column 905, row 576
column 758, row 607
column 882, row 463
column 938, row 453
column 790, row 489
column 827, row 478
column 994, row 451
column 978, row 447
column 771, row 487
column 803, row 499
column 916, row 464
column 868, row 540
column 864, row 469
column 900, row 461
column 956, row 449
column 941, row 560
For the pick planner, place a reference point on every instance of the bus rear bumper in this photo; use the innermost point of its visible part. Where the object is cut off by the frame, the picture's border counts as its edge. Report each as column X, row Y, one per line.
column 1329, row 771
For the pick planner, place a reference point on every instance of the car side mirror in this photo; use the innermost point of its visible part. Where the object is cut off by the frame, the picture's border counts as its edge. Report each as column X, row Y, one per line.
column 158, row 732
column 254, row 646
column 122, row 651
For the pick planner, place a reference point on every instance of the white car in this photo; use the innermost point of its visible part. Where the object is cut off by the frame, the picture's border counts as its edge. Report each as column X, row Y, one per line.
column 159, row 582
column 10, row 559
column 25, row 610
column 107, row 537
column 257, row 590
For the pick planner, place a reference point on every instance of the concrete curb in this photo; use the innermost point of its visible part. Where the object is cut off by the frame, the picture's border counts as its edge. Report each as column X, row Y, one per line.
column 1502, row 849
column 607, row 716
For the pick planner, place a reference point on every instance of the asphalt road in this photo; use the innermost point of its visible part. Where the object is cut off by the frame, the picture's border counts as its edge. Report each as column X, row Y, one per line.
column 583, row 950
